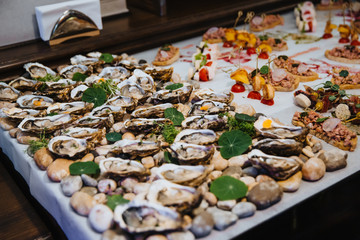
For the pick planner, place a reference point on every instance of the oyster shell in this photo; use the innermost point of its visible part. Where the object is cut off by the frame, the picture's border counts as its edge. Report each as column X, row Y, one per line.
column 47, row 124
column 19, row 113
column 206, row 107
column 180, row 95
column 69, row 71
column 196, row 136
column 65, row 146
column 160, row 74
column 153, row 111
column 170, row 194
column 144, row 80
column 127, row 103
column 79, row 132
column 145, row 125
column 209, row 94
column 23, row 84
column 279, row 168
column 34, row 101
column 142, row 217
column 95, row 122
column 192, row 154
column 269, row 127
column 106, row 110
column 8, row 93
column 77, row 92
column 114, row 73
column 83, row 60
column 121, row 167
column 37, row 70
column 136, row 147
column 60, row 84
column 279, row 147
column 128, row 88
column 70, row 108
column 184, row 175
column 213, row 122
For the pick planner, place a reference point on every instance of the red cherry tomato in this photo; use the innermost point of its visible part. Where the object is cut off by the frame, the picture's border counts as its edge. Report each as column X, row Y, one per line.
column 227, row 44
column 344, row 40
column 267, row 102
column 327, row 36
column 238, row 88
column 204, row 75
column 250, row 51
column 254, row 95
column 209, row 63
column 355, row 43
column 208, row 56
column 264, row 55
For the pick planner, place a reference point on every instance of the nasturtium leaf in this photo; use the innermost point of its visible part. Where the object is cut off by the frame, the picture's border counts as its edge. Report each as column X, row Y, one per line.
column 335, row 87
column 228, row 188
column 234, row 143
column 169, row 159
column 342, row 93
column 320, row 120
column 332, row 98
column 79, row 77
column 113, row 136
column 94, row 95
column 78, row 168
column 244, row 117
column 264, row 69
column 106, row 57
column 53, row 114
column 174, row 86
column 114, row 200
column 328, row 84
column 174, row 115
column 344, row 73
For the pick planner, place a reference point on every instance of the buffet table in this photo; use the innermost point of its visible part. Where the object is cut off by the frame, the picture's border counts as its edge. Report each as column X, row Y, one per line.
column 50, row 196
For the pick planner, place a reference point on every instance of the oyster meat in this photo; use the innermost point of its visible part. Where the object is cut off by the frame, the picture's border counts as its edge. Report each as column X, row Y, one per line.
column 209, row 94
column 144, row 80
column 196, row 136
column 106, row 110
column 67, row 146
column 121, row 167
column 78, row 132
column 77, row 92
column 206, row 107
column 34, row 101
column 279, row 168
column 145, row 125
column 180, row 95
column 213, row 122
column 184, row 175
column 83, row 60
column 47, row 124
column 69, row 71
column 37, row 70
column 128, row 88
column 20, row 113
column 136, row 147
column 142, row 217
column 151, row 112
column 127, row 103
column 192, row 154
column 8, row 93
column 95, row 122
column 69, row 108
column 280, row 147
column 114, row 73
column 23, row 84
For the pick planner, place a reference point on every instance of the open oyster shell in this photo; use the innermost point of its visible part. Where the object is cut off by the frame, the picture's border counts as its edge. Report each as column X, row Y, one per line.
column 127, row 103
column 90, row 134
column 151, row 112
column 142, row 217
column 19, row 114
column 145, row 125
column 180, row 95
column 160, row 74
column 34, row 101
column 83, row 60
column 77, row 92
column 206, row 107
column 136, row 147
column 65, row 146
column 114, row 73
column 37, row 70
column 128, row 88
column 106, row 110
column 192, row 154
column 23, row 84
column 209, row 94
column 8, row 93
column 170, row 194
column 279, row 147
column 121, row 167
column 213, row 122
column 69, row 71
column 279, row 168
column 95, row 122
column 144, row 80
column 70, row 108
column 184, row 175
column 196, row 136
column 47, row 124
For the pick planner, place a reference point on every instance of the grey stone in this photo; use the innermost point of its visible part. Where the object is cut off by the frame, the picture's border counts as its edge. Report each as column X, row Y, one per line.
column 89, row 190
column 265, row 194
column 233, row 171
column 250, row 171
column 186, row 235
column 244, row 209
column 335, row 159
column 70, row 185
column 89, row 181
column 223, row 219
column 202, row 224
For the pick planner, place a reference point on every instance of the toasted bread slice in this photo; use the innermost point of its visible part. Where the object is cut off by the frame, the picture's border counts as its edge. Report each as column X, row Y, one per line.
column 170, row 61
column 293, row 87
column 255, row 28
column 341, row 59
column 301, row 78
column 214, row 40
column 283, row 48
column 347, row 86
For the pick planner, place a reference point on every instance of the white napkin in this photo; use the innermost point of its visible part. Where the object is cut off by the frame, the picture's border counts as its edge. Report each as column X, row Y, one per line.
column 48, row 15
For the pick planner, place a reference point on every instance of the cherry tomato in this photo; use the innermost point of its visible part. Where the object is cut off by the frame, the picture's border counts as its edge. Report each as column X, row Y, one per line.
column 344, row 40
column 227, row 44
column 209, row 63
column 254, row 95
column 267, row 102
column 238, row 88
column 204, row 75
column 310, row 26
column 355, row 43
column 327, row 36
column 250, row 51
column 264, row 55
column 208, row 56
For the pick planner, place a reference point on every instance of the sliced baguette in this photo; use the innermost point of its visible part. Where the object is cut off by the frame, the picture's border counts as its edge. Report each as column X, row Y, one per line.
column 347, row 86
column 293, row 87
column 341, row 59
column 301, row 78
column 169, row 61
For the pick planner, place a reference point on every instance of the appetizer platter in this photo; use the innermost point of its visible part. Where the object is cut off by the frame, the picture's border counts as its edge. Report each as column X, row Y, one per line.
column 160, row 143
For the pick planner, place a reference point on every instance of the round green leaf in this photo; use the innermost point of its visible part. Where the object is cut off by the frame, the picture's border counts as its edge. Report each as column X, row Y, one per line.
column 344, row 73
column 244, row 117
column 79, row 77
column 335, row 87
column 94, row 95
column 106, row 57
column 113, row 136
column 332, row 98
column 78, row 168
column 234, row 143
column 114, row 200
column 174, row 115
column 228, row 188
column 328, row 84
column 264, row 69
column 174, row 86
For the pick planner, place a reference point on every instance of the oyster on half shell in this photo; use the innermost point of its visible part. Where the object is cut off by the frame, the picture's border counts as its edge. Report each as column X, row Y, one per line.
column 209, row 94
column 280, row 147
column 196, row 136
column 150, row 112
column 122, row 167
column 65, row 146
column 8, row 93
column 38, row 70
column 279, row 168
column 20, row 113
column 34, row 101
column 192, row 154
column 47, row 124
column 180, row 95
column 213, row 122
column 145, row 125
column 23, row 84
column 205, row 107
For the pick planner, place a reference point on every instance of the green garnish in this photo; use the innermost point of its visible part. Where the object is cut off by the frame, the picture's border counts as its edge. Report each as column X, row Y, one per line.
column 304, row 114
column 49, row 78
column 94, row 95
column 108, row 85
column 78, row 168
column 344, row 73
column 277, row 41
column 113, row 136
column 106, row 57
column 283, row 57
column 165, row 47
column 234, row 143
column 169, row 159
column 264, row 69
column 328, row 84
column 174, row 86
column 335, row 87
column 114, row 200
column 263, row 37
column 332, row 98
column 228, row 188
column 169, row 133
column 320, row 120
column 79, row 77
column 34, row 145
column 174, row 115
column 357, row 105
column 52, row 114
